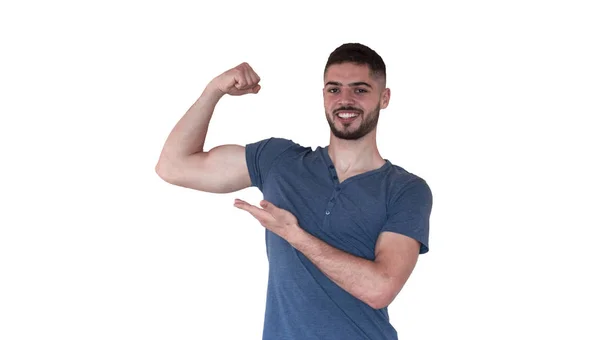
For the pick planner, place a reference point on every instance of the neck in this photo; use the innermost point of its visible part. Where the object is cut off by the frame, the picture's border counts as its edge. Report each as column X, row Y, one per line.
column 353, row 156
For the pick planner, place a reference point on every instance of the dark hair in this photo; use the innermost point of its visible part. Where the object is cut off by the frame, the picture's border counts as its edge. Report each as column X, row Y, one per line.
column 359, row 54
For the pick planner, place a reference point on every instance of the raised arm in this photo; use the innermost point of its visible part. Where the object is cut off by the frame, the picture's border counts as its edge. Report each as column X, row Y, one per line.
column 184, row 161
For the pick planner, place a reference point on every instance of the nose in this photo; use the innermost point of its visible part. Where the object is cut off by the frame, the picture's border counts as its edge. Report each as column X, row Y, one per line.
column 346, row 97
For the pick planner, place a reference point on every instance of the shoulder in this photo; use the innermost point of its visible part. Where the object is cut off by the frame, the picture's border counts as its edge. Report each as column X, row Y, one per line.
column 265, row 155
column 403, row 183
column 273, row 149
column 274, row 143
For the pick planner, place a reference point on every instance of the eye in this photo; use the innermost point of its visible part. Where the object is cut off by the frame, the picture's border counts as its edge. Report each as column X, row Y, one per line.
column 333, row 90
column 361, row 90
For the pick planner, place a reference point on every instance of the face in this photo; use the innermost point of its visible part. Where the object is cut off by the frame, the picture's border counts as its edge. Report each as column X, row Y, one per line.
column 352, row 99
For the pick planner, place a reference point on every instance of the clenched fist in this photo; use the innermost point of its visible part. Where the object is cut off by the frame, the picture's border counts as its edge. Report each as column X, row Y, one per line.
column 238, row 81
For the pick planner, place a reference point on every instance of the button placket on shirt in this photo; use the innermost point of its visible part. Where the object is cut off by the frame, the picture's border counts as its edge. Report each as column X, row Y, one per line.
column 335, row 193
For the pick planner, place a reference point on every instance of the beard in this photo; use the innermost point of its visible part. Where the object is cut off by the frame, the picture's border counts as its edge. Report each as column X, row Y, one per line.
column 368, row 123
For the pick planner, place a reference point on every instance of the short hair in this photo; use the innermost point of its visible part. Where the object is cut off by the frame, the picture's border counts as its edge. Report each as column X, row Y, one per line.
column 359, row 54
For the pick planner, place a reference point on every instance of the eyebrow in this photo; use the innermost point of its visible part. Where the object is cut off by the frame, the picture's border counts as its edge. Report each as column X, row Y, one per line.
column 358, row 83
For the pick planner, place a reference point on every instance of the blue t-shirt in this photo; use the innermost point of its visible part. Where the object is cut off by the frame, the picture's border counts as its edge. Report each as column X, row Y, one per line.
column 302, row 303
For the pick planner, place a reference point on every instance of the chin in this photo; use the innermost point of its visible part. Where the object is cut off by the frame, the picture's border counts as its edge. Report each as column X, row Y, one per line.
column 347, row 135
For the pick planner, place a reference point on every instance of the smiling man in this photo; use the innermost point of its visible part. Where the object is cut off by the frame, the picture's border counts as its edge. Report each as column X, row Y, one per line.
column 344, row 226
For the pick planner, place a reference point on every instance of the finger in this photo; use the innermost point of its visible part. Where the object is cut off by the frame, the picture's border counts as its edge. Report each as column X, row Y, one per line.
column 253, row 75
column 241, row 81
column 240, row 76
column 278, row 213
column 252, row 79
column 254, row 211
column 260, row 214
column 269, row 207
column 241, row 204
column 250, row 89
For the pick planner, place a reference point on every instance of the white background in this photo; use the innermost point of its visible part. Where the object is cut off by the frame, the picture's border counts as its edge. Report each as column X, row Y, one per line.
column 495, row 104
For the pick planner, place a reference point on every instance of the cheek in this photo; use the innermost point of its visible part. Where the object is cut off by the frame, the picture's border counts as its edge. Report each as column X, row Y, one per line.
column 328, row 104
column 373, row 102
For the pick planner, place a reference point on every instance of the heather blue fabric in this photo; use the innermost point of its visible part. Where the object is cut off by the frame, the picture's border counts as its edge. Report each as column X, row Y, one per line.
column 302, row 303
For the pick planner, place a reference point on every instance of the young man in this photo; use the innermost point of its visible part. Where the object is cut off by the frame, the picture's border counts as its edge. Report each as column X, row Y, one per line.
column 344, row 226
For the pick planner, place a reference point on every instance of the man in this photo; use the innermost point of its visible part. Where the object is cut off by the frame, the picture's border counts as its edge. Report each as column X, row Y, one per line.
column 344, row 226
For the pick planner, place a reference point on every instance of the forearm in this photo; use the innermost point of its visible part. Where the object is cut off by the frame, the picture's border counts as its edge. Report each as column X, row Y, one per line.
column 362, row 278
column 189, row 134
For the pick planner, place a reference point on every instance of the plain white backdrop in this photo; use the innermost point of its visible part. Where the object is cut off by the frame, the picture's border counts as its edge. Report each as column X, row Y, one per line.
column 495, row 104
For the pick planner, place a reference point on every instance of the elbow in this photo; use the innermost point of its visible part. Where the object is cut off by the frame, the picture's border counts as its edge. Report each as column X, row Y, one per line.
column 383, row 296
column 160, row 170
column 165, row 172
column 379, row 301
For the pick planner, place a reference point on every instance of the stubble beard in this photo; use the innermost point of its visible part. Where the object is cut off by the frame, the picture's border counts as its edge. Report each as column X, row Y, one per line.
column 367, row 125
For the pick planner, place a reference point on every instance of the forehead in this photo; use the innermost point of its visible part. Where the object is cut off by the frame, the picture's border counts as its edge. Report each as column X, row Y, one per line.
column 348, row 72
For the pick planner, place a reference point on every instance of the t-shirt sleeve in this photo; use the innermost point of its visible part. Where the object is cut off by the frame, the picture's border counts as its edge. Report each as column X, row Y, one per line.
column 409, row 213
column 261, row 155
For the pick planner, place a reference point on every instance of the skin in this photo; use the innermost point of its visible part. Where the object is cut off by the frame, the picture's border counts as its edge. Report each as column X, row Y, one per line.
column 353, row 149
column 351, row 88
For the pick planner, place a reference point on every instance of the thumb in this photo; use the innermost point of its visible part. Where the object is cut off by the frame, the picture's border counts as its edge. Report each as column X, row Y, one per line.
column 256, row 88
column 268, row 206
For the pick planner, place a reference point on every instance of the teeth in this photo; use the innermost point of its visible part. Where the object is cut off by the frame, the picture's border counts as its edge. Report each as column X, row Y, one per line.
column 347, row 115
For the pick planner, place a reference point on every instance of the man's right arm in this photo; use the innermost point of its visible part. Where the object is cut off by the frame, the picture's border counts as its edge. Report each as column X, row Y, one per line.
column 183, row 160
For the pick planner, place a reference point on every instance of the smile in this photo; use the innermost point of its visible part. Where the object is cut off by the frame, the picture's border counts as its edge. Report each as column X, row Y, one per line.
column 347, row 114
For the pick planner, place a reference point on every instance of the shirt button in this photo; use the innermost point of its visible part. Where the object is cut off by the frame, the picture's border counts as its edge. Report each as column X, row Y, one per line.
column 337, row 189
column 334, row 177
column 327, row 212
column 331, row 167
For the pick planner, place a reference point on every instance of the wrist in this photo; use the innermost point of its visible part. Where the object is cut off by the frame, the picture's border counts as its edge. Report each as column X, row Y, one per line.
column 296, row 236
column 212, row 90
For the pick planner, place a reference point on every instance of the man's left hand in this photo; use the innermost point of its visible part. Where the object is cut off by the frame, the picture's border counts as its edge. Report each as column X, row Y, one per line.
column 275, row 219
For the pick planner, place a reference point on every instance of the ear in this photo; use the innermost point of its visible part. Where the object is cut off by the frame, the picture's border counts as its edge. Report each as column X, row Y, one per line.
column 385, row 98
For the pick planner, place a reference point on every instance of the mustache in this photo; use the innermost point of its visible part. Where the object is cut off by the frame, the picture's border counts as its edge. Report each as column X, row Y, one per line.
column 348, row 108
